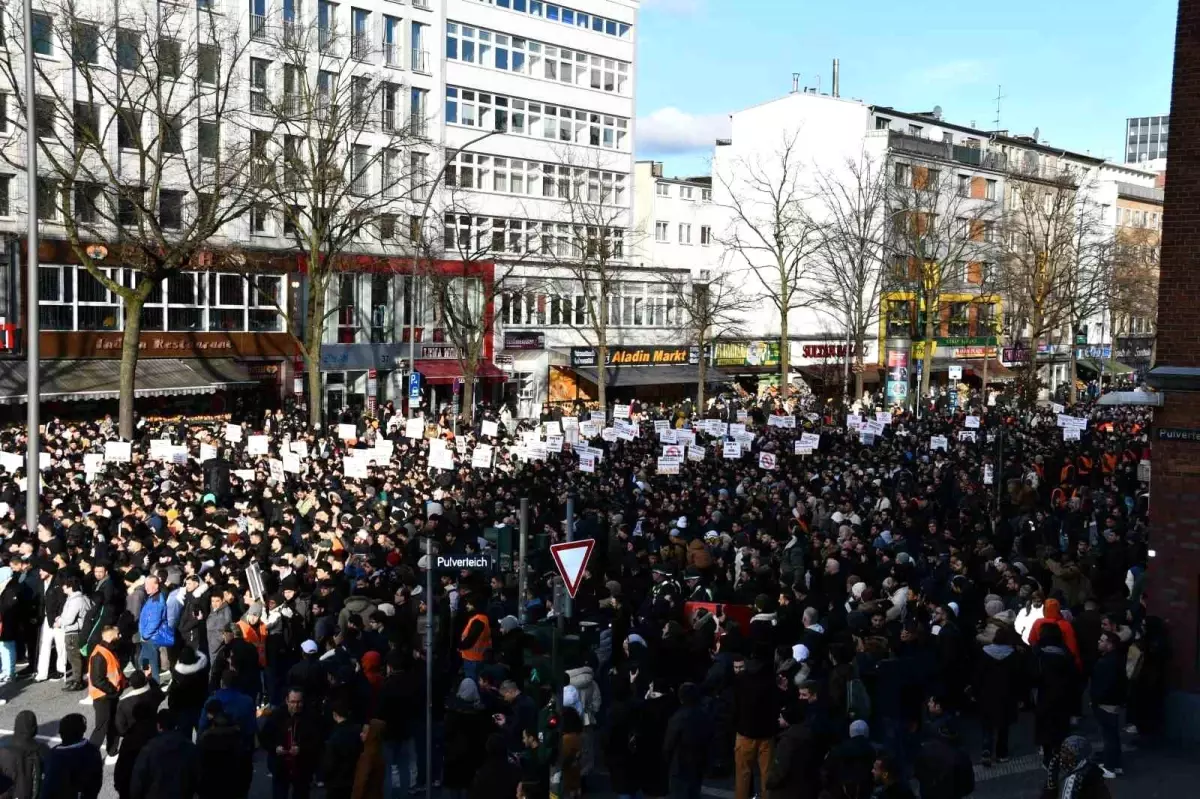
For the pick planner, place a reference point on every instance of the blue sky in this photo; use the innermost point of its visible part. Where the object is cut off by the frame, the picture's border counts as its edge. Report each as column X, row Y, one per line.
column 1073, row 69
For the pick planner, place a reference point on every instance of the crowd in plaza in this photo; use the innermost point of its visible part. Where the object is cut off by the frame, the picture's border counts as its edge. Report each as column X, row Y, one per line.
column 820, row 611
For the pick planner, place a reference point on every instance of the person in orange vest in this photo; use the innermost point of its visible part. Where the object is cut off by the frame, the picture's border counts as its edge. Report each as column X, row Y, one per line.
column 255, row 632
column 476, row 640
column 106, row 680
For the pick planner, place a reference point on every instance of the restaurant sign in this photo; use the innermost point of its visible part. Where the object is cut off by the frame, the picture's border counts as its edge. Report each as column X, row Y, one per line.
column 636, row 356
column 746, row 353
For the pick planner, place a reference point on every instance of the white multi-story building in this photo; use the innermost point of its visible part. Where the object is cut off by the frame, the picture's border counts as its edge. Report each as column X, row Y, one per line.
column 677, row 221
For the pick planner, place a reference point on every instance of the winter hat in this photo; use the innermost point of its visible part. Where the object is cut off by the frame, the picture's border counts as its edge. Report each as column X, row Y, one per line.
column 859, row 729
column 309, row 647
column 799, row 653
column 953, row 606
column 468, row 692
column 255, row 609
column 508, row 624
column 571, row 699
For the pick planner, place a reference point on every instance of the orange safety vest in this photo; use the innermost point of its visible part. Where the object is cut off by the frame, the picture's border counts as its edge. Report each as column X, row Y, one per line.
column 258, row 637
column 1085, row 466
column 112, row 667
column 483, row 643
column 1108, row 462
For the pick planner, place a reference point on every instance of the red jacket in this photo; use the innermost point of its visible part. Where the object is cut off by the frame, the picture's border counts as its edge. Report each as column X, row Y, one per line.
column 1051, row 614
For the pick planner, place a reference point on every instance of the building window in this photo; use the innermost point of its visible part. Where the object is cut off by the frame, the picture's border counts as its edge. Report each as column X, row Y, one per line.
column 258, row 85
column 498, row 113
column 170, row 209
column 48, row 200
column 98, row 308
column 208, row 139
column 185, row 306
column 6, row 195
column 208, row 63
column 903, row 175
column 169, row 56
column 129, row 49
column 661, row 231
column 685, row 234
column 882, row 123
column 264, row 299
column 259, row 214
column 964, row 185
column 42, row 34
column 706, row 195
column 662, row 190
column 227, row 301
column 915, row 130
column 705, row 235
column 990, row 189
column 685, row 193
column 56, row 297
column 85, row 44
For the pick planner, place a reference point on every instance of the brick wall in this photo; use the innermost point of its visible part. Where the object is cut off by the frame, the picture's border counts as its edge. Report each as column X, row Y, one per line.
column 1175, row 486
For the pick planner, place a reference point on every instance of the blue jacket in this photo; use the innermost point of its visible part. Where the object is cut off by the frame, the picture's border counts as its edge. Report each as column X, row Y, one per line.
column 153, row 624
column 239, row 708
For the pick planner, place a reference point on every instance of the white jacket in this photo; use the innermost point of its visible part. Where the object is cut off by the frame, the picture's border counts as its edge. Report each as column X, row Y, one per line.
column 74, row 612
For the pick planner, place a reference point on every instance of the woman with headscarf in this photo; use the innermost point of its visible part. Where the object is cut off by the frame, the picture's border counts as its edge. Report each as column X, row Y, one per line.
column 372, row 667
column 368, row 777
column 1073, row 775
column 467, row 728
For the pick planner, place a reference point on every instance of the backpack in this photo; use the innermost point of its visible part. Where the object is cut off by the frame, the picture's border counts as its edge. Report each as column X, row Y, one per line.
column 858, row 700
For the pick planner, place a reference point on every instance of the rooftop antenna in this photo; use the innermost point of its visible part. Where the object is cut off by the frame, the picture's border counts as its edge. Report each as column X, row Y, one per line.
column 999, row 97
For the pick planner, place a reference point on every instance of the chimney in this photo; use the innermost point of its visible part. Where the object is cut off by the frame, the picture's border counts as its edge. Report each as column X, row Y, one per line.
column 795, row 83
column 837, row 79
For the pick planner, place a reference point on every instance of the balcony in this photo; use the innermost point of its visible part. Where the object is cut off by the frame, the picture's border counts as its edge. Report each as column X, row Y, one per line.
column 293, row 33
column 945, row 151
column 422, row 4
column 293, row 104
column 262, row 173
column 392, row 54
column 391, row 120
column 360, row 186
column 258, row 27
column 327, row 40
column 360, row 47
column 418, row 128
column 258, row 101
column 420, row 62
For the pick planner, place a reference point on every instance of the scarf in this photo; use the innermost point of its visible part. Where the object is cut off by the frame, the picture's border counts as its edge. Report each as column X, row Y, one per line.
column 1071, row 766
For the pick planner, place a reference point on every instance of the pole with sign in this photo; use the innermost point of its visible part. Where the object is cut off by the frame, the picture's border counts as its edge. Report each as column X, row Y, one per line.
column 458, row 386
column 414, row 393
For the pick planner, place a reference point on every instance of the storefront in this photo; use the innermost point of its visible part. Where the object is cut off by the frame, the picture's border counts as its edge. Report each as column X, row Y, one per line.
column 527, row 363
column 822, row 363
column 1135, row 351
column 441, row 369
column 361, row 376
column 751, row 364
column 645, row 373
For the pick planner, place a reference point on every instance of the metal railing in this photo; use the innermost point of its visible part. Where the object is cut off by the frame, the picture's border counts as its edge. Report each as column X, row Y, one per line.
column 258, row 101
column 360, row 46
column 420, row 61
column 417, row 127
column 422, row 4
column 391, row 120
column 360, row 185
column 970, row 156
column 392, row 54
column 258, row 26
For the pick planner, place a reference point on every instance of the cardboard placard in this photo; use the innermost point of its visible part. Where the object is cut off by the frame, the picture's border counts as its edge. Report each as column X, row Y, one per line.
column 119, row 451
column 587, row 462
column 233, row 432
column 731, row 450
column 668, row 465
column 938, row 442
column 766, row 460
column 414, row 428
column 696, row 453
column 257, row 445
column 489, row 428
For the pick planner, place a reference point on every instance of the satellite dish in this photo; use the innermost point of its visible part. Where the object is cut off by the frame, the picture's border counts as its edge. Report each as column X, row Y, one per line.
column 937, row 112
column 1037, row 134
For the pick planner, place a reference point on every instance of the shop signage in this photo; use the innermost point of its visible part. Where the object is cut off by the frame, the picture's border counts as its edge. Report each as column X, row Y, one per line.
column 525, row 341
column 1135, row 347
column 829, row 352
column 746, row 353
column 1103, row 353
column 636, row 356
column 897, row 376
column 438, row 352
column 954, row 351
column 346, row 357
column 97, row 344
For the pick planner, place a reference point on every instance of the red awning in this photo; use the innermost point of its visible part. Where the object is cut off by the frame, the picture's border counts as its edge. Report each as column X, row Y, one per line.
column 441, row 373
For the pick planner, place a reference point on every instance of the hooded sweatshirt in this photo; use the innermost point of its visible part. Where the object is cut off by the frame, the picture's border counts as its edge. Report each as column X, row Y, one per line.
column 22, row 759
column 1053, row 615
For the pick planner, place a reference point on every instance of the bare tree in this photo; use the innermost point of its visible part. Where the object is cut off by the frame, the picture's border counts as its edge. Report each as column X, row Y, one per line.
column 771, row 234
column 587, row 249
column 939, row 229
column 850, row 259
column 1048, row 228
column 137, row 164
column 348, row 167
column 710, row 308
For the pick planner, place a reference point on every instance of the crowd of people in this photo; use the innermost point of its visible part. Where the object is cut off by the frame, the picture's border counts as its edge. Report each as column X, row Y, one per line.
column 821, row 620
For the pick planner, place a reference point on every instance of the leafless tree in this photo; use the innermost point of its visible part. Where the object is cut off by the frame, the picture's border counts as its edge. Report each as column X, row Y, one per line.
column 710, row 307
column 850, row 259
column 771, row 236
column 939, row 230
column 137, row 164
column 1049, row 239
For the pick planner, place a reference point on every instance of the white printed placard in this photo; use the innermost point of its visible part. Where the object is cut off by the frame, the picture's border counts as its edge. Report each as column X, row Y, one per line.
column 1071, row 433
column 672, row 451
column 587, row 462
column 971, row 422
column 554, row 443
column 11, row 461
column 766, row 460
column 119, row 451
column 93, row 462
column 781, row 421
column 966, row 435
column 481, row 457
column 276, row 470
column 668, row 436
column 1056, row 407
column 299, row 448
column 661, row 425
column 743, row 416
column 384, row 447
column 625, row 430
column 291, row 463
column 414, row 428
column 684, row 437
column 347, row 432
column 853, row 421
column 668, row 465
column 883, row 417
column 357, row 468
column 257, row 445
column 874, row 428
column 599, row 416
column 609, row 434
column 160, row 449
column 732, row 450
column 207, row 452
column 620, row 411
column 736, row 429
column 938, row 442
column 489, row 428
column 552, row 428
column 988, row 474
column 233, row 432
column 810, row 440
column 803, row 450
column 695, row 453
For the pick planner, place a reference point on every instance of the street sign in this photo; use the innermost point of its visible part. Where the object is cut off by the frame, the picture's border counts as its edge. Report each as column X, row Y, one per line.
column 478, row 562
column 571, row 558
column 955, row 374
column 414, row 386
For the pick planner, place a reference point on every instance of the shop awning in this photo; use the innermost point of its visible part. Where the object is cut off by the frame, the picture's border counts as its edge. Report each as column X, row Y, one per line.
column 833, row 373
column 96, row 379
column 995, row 371
column 444, row 372
column 653, row 375
column 1110, row 367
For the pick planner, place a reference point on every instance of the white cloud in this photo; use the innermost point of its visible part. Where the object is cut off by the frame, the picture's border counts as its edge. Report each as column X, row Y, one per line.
column 951, row 74
column 669, row 131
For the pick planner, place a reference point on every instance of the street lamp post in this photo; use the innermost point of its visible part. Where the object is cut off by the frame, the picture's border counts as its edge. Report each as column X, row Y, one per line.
column 32, row 378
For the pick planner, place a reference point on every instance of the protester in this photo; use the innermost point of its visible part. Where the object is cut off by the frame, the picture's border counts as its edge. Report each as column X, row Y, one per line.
column 74, row 768
column 23, row 759
column 106, row 680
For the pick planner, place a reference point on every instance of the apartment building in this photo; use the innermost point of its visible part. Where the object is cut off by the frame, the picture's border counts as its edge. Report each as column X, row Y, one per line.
column 1146, row 138
column 480, row 121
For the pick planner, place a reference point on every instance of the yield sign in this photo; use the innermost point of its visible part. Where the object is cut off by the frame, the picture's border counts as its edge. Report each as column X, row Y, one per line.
column 571, row 559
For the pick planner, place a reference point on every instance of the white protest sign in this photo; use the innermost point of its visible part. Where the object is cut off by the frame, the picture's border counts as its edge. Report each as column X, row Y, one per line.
column 291, row 463
column 938, row 442
column 668, row 466
column 179, row 454
column 160, row 449
column 93, row 462
column 1143, row 471
column 742, row 416
column 695, row 453
column 356, row 468
column 441, row 458
column 119, row 451
column 955, row 374
column 489, row 428
column 620, row 411
column 684, row 437
column 971, row 422
column 766, row 460
column 257, row 445
column 853, row 421
column 1054, row 406
column 661, row 425
column 414, row 428
column 736, row 429
column 625, row 430
column 300, row 448
column 570, row 423
column 988, row 474
column 966, row 435
column 867, row 438
column 873, row 427
column 587, row 462
column 883, row 417
column 233, row 432
column 552, row 428
column 668, row 436
column 245, row 475
column 609, row 434
column 276, row 470
column 481, row 458
column 599, row 416
column 672, row 451
column 802, row 450
column 732, row 450
column 207, row 452
column 590, row 429
column 554, row 443
column 810, row 440
column 347, row 432
column 595, row 452
column 11, row 462
column 384, row 447
column 781, row 421
column 1070, row 434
